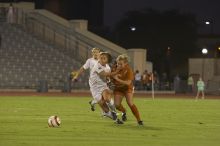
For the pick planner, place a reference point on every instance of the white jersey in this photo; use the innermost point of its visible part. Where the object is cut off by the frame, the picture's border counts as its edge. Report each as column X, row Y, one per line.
column 90, row 64
column 94, row 74
column 97, row 83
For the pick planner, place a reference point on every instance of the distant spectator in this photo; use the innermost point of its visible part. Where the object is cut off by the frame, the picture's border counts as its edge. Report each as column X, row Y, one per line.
column 177, row 83
column 10, row 14
column 200, row 88
column 164, row 81
column 137, row 81
column 145, row 80
column 190, row 83
column 156, row 77
column 156, row 80
column 150, row 75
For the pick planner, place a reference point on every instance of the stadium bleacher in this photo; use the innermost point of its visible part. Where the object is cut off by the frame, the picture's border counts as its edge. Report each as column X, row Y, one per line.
column 25, row 61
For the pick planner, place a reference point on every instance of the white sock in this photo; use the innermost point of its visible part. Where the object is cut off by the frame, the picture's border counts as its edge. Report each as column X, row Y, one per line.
column 94, row 102
column 108, row 114
column 112, row 101
column 111, row 106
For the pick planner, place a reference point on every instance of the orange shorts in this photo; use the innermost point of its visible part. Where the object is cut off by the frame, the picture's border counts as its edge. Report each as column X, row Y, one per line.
column 122, row 92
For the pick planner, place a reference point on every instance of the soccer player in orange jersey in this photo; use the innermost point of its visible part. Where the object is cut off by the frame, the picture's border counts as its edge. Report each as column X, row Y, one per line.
column 123, row 82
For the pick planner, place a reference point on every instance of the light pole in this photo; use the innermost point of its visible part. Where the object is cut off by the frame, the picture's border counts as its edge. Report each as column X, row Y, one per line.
column 204, row 52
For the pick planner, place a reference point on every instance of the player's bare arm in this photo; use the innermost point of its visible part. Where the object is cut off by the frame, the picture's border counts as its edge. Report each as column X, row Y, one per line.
column 108, row 74
column 127, row 82
column 79, row 72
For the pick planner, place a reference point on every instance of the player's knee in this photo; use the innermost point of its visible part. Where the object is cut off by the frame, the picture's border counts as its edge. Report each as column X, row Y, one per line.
column 130, row 104
column 107, row 95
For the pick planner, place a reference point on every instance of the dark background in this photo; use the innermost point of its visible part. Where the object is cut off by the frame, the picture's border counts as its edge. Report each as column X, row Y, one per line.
column 168, row 29
column 109, row 12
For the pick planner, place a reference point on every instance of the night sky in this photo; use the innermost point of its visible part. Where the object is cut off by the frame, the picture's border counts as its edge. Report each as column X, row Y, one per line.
column 204, row 9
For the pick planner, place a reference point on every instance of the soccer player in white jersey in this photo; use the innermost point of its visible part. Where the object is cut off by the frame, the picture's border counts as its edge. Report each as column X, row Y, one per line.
column 98, row 83
column 89, row 65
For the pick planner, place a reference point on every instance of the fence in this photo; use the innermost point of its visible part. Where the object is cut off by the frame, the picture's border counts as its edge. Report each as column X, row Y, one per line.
column 213, row 87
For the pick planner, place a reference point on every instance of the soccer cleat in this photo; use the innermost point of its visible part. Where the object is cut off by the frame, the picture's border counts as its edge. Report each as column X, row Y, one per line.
column 109, row 115
column 92, row 106
column 124, row 117
column 114, row 115
column 117, row 121
column 140, row 123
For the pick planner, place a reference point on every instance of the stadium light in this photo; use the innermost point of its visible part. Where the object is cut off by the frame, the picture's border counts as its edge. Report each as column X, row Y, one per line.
column 207, row 22
column 133, row 28
column 204, row 51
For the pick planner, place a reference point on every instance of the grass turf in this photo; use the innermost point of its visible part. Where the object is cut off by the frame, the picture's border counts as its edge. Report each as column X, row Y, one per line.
column 168, row 122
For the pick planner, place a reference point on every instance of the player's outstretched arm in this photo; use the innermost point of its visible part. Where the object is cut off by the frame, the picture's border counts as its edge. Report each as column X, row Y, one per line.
column 78, row 73
column 108, row 74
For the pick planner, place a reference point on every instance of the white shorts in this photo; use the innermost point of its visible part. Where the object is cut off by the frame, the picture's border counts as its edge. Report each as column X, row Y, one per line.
column 97, row 90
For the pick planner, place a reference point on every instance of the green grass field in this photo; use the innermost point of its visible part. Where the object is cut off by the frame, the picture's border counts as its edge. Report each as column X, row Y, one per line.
column 168, row 122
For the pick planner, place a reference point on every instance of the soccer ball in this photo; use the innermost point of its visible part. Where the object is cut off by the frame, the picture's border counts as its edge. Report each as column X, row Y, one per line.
column 54, row 121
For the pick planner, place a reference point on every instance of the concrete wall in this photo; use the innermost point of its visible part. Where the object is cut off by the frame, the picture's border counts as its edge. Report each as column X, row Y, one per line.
column 54, row 17
column 23, row 5
column 80, row 26
column 138, row 60
column 205, row 67
column 217, row 67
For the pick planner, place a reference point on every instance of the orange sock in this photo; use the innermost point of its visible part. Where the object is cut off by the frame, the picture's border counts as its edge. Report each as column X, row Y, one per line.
column 121, row 108
column 135, row 112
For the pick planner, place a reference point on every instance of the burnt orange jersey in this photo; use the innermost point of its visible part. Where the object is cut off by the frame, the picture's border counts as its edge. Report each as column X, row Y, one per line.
column 124, row 74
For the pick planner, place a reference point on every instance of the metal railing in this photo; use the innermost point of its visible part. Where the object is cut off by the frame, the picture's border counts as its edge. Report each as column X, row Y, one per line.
column 3, row 12
column 75, row 44
column 213, row 87
column 71, row 42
